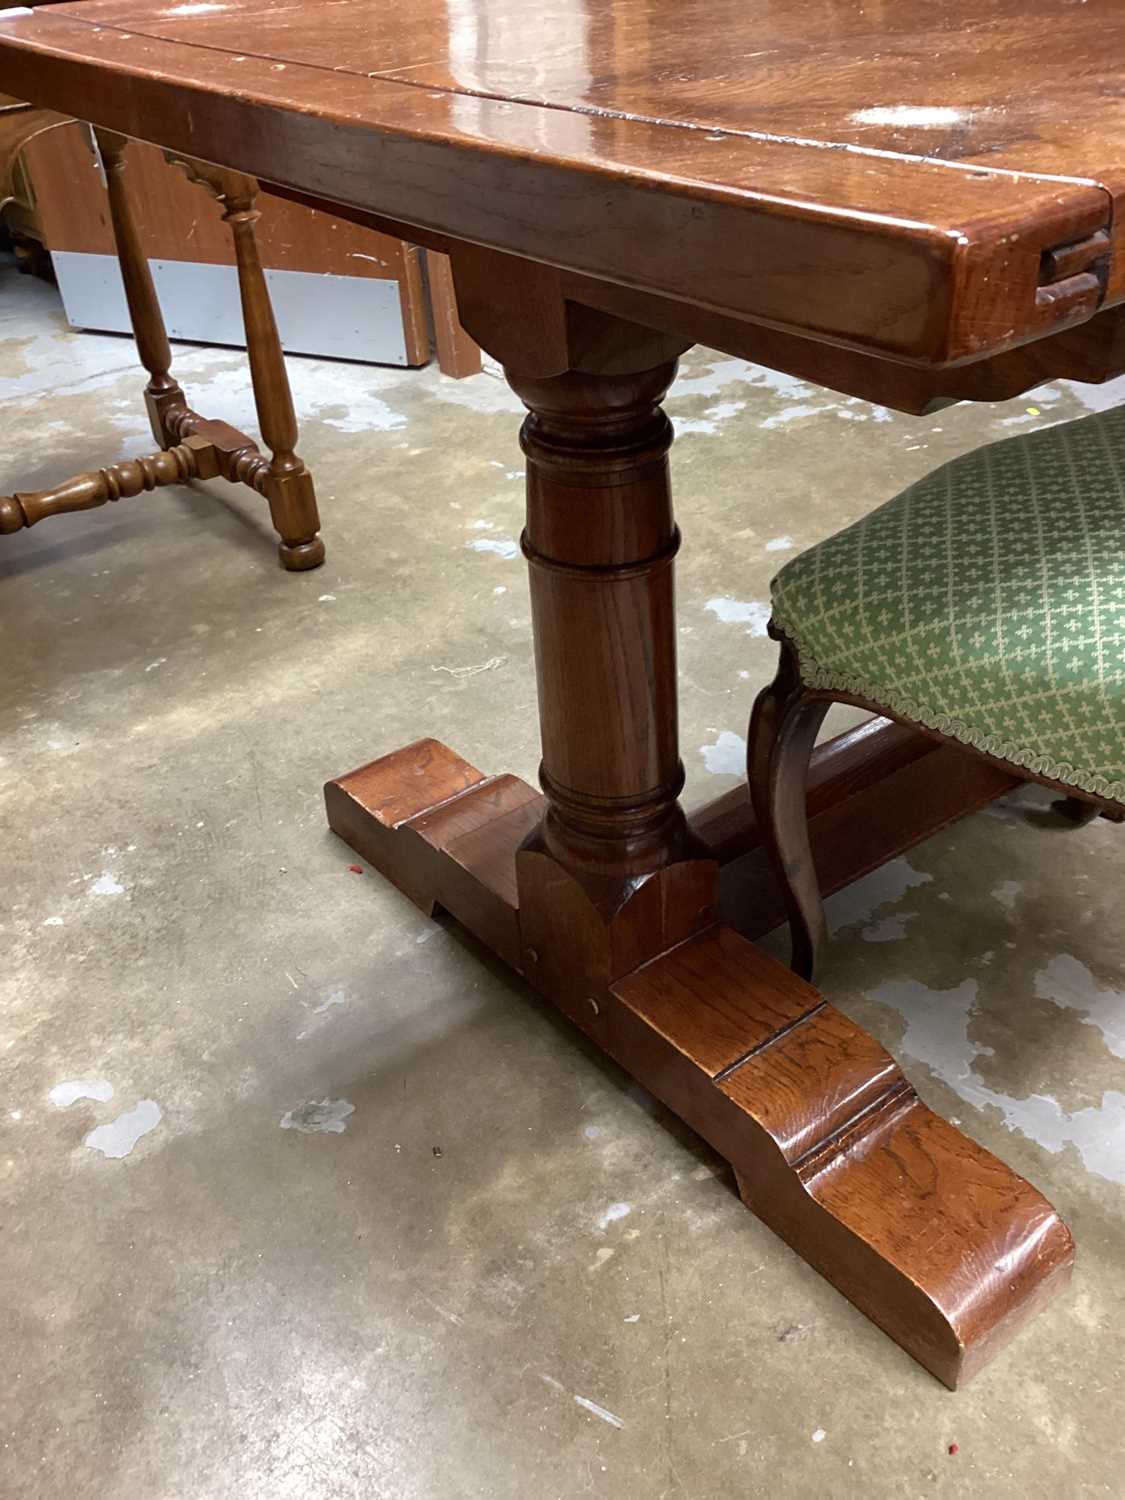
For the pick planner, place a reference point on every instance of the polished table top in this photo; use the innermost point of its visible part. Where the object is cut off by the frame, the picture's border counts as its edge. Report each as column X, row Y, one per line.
column 896, row 177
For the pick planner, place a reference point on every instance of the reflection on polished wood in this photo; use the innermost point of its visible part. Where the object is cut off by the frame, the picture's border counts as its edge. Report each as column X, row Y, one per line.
column 906, row 203
column 895, row 181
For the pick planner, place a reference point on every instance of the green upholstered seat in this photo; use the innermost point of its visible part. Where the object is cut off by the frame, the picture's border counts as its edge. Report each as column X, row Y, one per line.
column 986, row 602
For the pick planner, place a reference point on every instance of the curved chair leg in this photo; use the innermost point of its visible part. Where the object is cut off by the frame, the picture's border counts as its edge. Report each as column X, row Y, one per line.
column 783, row 730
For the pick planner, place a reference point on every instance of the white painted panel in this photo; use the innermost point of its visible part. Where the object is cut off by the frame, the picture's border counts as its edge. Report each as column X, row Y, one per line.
column 337, row 317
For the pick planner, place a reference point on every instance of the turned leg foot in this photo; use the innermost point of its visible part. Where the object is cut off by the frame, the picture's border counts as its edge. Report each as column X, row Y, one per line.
column 299, row 557
column 292, row 502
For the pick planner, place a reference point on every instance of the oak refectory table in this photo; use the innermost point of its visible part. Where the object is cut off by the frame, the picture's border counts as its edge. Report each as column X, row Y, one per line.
column 911, row 203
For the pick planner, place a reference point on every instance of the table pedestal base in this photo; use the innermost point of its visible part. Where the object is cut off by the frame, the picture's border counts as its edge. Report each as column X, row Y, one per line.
column 928, row 1234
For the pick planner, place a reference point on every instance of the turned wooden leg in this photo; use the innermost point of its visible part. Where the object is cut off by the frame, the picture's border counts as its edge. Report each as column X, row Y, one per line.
column 288, row 485
column 282, row 478
column 284, row 481
column 601, row 895
column 194, row 458
column 164, row 398
column 783, row 730
column 613, row 873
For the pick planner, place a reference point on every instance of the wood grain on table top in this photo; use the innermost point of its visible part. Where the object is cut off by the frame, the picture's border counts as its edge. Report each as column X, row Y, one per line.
column 883, row 175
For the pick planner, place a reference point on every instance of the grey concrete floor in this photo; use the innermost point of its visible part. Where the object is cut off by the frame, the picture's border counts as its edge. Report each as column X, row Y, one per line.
column 234, row 1263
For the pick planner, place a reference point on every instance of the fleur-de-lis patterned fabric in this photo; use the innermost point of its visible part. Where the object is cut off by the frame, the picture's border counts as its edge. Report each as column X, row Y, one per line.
column 986, row 602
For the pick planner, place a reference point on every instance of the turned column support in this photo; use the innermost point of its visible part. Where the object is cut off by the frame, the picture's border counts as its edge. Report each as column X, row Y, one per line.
column 600, row 542
column 611, row 874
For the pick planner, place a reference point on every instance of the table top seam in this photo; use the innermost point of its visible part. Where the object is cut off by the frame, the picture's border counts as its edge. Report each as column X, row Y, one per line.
column 769, row 138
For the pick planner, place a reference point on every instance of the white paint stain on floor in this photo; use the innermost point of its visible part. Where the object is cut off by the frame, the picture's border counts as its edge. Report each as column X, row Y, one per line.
column 118, row 1137
column 726, row 756
column 1007, row 893
column 718, row 375
column 63, row 1095
column 504, row 546
column 330, row 1002
column 710, row 422
column 797, row 399
column 1069, row 984
column 937, row 1035
column 722, row 411
column 106, row 885
column 53, row 736
column 860, row 901
column 614, row 1212
column 752, row 612
column 319, row 1115
column 890, row 929
column 336, row 997
column 791, row 412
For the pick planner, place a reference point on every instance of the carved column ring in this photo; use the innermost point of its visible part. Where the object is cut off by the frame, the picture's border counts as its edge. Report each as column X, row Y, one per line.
column 240, row 214
column 578, row 405
column 597, row 476
column 603, row 572
column 594, row 459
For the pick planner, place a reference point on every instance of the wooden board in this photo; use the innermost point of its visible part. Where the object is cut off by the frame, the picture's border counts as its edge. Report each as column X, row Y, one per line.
column 926, row 1232
column 716, row 154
